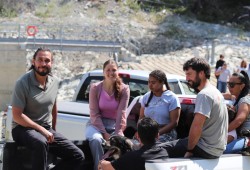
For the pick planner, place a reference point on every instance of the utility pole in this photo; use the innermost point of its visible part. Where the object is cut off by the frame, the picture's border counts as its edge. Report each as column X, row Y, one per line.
column 214, row 41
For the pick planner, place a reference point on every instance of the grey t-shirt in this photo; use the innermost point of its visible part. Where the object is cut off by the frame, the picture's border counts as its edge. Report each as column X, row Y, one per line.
column 210, row 103
column 36, row 102
column 246, row 123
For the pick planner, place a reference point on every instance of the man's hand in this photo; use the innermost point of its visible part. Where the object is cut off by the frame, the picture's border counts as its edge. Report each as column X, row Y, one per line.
column 48, row 135
column 188, row 155
column 106, row 136
column 100, row 165
column 105, row 165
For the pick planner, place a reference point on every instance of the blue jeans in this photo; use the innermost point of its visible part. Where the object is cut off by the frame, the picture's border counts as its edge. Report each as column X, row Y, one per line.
column 96, row 140
column 235, row 146
column 222, row 86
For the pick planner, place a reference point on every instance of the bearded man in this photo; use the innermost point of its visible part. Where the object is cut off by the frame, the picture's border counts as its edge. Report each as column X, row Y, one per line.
column 208, row 132
column 34, row 113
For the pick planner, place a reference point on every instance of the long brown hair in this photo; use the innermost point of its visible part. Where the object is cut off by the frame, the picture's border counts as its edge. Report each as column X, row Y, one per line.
column 243, row 64
column 118, row 82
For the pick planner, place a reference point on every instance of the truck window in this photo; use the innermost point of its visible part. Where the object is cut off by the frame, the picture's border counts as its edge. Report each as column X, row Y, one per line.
column 137, row 87
column 174, row 87
column 187, row 89
column 83, row 94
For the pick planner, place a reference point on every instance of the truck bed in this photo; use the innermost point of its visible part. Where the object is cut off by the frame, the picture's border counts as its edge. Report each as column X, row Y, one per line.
column 72, row 119
column 225, row 162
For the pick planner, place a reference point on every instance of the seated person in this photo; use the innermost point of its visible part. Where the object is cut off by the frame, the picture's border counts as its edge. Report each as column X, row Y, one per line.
column 108, row 101
column 34, row 110
column 162, row 105
column 148, row 133
column 232, row 135
column 238, row 86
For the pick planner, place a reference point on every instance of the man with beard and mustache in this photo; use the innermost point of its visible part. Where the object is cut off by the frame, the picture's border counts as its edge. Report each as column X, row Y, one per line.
column 208, row 132
column 34, row 113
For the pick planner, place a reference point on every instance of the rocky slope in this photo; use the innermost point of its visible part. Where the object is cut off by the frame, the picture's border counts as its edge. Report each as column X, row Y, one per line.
column 159, row 35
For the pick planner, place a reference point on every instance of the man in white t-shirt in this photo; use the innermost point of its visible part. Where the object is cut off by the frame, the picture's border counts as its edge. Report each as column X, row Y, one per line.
column 224, row 74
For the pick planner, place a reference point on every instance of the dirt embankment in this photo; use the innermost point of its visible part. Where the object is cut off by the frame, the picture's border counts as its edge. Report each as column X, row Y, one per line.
column 159, row 35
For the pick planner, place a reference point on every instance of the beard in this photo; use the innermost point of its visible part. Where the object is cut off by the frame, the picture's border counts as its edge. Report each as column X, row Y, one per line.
column 195, row 84
column 46, row 71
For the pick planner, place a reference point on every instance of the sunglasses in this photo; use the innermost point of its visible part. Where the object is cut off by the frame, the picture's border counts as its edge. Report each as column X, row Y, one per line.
column 232, row 84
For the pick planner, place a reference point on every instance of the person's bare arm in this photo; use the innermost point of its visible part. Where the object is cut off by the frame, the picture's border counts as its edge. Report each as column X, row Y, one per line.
column 229, row 139
column 54, row 116
column 228, row 96
column 25, row 121
column 195, row 132
column 174, row 119
column 241, row 116
column 141, row 113
column 105, row 165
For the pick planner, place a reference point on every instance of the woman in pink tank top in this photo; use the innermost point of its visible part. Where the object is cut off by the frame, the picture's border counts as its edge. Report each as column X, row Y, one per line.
column 108, row 101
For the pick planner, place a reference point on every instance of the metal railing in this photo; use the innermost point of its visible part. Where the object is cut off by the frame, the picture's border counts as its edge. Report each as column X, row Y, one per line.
column 66, row 32
column 71, row 34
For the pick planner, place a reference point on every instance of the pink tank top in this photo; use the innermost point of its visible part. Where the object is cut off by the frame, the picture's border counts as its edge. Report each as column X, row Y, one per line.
column 108, row 105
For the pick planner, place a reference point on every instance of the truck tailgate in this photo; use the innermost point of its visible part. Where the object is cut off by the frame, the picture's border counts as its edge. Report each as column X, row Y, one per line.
column 225, row 162
column 72, row 119
column 73, row 108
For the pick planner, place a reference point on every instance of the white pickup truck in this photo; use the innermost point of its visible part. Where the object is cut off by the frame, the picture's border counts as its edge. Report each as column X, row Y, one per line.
column 73, row 116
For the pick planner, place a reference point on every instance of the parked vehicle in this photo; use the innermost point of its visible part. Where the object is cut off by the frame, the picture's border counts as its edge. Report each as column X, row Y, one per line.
column 225, row 162
column 73, row 116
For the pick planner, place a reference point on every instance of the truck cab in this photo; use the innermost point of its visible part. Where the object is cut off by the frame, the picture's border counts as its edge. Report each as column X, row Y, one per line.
column 75, row 114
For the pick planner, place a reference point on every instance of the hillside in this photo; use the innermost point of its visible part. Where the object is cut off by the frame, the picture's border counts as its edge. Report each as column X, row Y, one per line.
column 163, row 37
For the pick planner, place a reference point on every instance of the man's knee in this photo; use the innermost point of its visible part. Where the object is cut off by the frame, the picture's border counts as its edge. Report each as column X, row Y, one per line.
column 79, row 156
column 95, row 141
column 40, row 145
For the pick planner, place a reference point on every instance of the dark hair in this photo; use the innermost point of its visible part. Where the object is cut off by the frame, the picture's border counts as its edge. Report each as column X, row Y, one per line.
column 198, row 64
column 36, row 52
column 221, row 56
column 148, row 130
column 243, row 64
column 117, row 86
column 243, row 77
column 161, row 77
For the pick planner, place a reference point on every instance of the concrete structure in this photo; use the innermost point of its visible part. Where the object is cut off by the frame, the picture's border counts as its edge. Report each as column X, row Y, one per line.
column 13, row 57
column 12, row 66
column 15, row 39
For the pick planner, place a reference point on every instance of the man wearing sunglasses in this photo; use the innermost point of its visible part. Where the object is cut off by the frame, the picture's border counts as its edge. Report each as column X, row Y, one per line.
column 208, row 133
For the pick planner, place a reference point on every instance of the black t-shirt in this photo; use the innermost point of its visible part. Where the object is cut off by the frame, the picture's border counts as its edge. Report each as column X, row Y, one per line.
column 136, row 159
column 219, row 63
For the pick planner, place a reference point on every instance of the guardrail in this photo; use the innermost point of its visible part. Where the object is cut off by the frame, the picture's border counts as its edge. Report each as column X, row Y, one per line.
column 61, row 36
column 64, row 32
